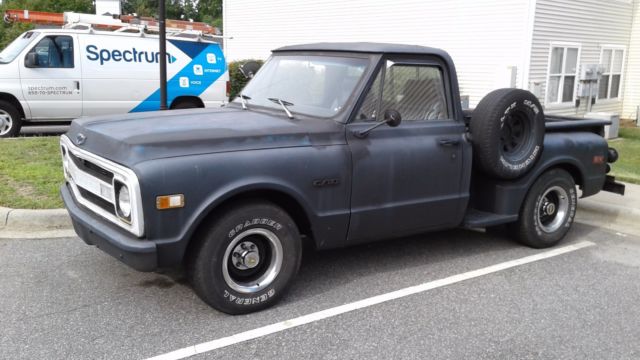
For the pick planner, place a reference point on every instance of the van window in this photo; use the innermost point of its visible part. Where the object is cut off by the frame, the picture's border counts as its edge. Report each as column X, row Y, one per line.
column 15, row 48
column 54, row 52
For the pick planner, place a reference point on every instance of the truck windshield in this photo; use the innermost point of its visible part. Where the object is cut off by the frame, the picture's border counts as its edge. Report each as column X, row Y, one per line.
column 15, row 48
column 311, row 85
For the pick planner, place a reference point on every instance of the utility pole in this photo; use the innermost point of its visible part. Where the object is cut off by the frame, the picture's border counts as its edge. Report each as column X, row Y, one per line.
column 163, row 54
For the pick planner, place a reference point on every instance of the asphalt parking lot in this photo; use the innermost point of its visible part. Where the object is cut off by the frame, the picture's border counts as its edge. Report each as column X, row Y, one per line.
column 62, row 299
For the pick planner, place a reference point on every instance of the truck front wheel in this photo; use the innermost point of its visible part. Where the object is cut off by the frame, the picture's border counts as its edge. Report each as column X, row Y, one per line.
column 247, row 259
column 548, row 210
column 10, row 120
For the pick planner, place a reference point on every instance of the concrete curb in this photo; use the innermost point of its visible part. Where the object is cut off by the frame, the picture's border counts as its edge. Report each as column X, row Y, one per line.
column 23, row 223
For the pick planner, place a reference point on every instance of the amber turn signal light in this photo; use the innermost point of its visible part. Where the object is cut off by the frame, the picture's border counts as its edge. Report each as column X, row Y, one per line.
column 169, row 202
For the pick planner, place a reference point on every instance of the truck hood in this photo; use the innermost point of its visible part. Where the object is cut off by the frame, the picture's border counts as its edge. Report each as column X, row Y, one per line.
column 134, row 138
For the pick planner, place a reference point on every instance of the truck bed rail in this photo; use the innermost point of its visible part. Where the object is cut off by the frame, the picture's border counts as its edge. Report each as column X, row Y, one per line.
column 555, row 123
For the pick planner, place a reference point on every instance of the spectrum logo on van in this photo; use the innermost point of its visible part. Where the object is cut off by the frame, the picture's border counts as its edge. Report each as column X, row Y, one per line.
column 133, row 55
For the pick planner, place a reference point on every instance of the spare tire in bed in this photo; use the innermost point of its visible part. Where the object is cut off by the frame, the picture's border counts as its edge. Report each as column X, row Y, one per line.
column 507, row 129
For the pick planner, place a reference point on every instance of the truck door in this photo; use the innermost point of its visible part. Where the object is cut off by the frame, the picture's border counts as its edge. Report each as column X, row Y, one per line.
column 50, row 78
column 406, row 179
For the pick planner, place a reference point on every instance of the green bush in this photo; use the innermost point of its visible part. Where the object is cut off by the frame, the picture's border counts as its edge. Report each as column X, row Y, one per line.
column 238, row 81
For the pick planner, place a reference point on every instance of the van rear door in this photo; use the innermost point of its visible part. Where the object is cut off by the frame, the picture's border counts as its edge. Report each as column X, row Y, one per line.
column 50, row 78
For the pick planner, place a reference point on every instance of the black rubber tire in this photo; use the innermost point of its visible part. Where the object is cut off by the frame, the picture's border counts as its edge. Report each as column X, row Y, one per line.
column 528, row 230
column 204, row 267
column 186, row 104
column 505, row 113
column 13, row 129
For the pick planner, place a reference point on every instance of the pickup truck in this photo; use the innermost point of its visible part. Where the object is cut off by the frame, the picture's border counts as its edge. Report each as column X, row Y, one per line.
column 332, row 145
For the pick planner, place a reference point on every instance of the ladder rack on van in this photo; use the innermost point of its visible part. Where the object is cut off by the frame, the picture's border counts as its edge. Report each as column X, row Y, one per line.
column 71, row 20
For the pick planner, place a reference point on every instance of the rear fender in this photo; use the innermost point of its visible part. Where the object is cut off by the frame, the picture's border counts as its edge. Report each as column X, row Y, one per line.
column 574, row 153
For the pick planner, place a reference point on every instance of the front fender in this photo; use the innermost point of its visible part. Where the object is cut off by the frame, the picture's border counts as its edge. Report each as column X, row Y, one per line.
column 208, row 180
column 244, row 186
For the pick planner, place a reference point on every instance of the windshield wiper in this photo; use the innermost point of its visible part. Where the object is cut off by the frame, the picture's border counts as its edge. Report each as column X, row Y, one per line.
column 284, row 105
column 243, row 102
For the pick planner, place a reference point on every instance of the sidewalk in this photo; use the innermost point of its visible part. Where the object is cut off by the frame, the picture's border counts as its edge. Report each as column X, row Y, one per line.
column 612, row 211
column 606, row 210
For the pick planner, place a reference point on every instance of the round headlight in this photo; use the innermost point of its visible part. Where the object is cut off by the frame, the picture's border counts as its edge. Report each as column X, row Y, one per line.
column 124, row 202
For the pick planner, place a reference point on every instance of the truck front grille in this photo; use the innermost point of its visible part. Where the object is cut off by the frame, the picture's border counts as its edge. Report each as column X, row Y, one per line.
column 97, row 200
column 93, row 182
column 91, row 168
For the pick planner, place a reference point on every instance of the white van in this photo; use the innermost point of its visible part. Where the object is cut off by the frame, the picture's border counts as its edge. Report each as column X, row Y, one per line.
column 58, row 75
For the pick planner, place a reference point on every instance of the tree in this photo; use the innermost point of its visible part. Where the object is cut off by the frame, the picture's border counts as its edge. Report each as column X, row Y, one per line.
column 8, row 32
column 208, row 11
column 140, row 7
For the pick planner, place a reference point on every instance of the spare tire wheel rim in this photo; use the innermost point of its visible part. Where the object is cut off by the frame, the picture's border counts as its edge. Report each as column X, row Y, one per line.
column 515, row 138
column 553, row 209
column 252, row 260
column 6, row 122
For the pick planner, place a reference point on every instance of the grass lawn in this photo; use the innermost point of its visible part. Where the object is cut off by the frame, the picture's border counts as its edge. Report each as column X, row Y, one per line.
column 30, row 173
column 627, row 168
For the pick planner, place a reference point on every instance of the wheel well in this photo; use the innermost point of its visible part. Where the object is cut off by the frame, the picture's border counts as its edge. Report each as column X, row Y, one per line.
column 574, row 171
column 14, row 101
column 187, row 99
column 283, row 200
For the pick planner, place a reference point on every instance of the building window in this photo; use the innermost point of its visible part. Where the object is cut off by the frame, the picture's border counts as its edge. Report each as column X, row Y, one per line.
column 610, row 81
column 563, row 66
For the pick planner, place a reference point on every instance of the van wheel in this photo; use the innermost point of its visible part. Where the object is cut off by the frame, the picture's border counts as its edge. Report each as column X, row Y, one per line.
column 186, row 104
column 507, row 129
column 10, row 120
column 246, row 260
column 548, row 210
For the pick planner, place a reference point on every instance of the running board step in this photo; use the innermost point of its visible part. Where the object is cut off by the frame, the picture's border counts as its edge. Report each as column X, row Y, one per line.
column 479, row 219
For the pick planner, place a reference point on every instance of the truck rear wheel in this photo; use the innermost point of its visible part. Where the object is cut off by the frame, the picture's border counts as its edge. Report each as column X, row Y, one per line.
column 247, row 259
column 10, row 120
column 548, row 210
column 507, row 128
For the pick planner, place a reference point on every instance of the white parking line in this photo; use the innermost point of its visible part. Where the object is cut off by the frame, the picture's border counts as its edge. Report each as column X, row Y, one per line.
column 338, row 310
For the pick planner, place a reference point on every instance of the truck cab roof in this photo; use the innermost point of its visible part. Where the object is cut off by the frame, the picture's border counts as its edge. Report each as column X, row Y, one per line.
column 366, row 47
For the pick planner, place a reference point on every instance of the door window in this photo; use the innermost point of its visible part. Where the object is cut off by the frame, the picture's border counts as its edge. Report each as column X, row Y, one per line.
column 415, row 91
column 54, row 52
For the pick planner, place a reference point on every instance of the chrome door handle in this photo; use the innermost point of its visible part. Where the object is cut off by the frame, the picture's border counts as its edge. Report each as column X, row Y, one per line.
column 449, row 142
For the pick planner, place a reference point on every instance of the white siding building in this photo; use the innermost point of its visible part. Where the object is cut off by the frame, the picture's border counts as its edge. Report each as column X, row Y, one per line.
column 631, row 79
column 108, row 7
column 533, row 44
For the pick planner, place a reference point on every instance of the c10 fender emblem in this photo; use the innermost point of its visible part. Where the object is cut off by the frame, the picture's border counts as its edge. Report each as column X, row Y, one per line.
column 326, row 182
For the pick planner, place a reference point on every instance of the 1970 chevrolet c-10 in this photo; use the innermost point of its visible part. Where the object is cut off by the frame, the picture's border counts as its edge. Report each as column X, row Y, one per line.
column 335, row 144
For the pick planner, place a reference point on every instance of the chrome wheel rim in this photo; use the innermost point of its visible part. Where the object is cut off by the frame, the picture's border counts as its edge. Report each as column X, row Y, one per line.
column 553, row 209
column 252, row 260
column 6, row 122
